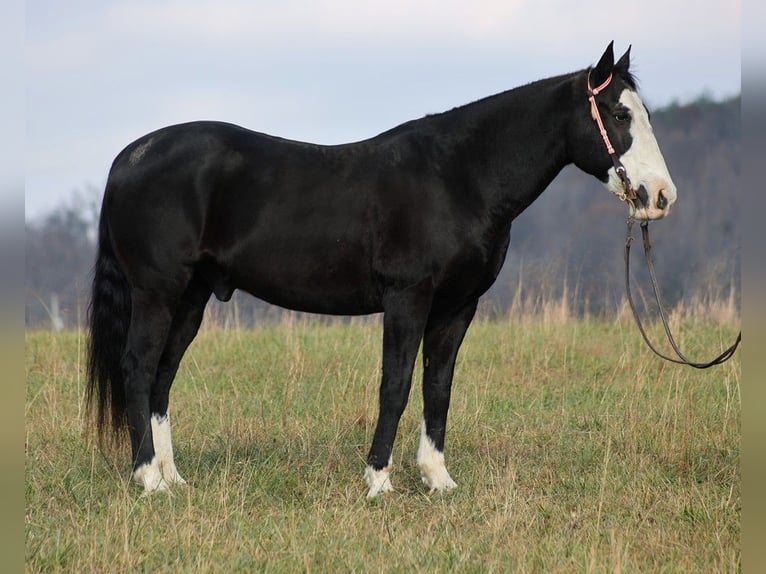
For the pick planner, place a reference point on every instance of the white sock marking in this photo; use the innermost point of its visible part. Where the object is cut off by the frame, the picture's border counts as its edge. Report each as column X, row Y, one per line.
column 163, row 449
column 378, row 480
column 431, row 464
column 161, row 472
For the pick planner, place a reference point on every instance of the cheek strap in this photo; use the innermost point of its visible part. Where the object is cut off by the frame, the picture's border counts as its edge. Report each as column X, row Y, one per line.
column 628, row 194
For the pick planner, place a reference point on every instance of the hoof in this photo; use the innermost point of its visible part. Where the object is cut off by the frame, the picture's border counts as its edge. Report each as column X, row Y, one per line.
column 430, row 461
column 155, row 478
column 440, row 484
column 378, row 481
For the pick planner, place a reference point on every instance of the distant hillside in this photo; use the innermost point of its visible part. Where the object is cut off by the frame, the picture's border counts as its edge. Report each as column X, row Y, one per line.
column 570, row 239
column 574, row 234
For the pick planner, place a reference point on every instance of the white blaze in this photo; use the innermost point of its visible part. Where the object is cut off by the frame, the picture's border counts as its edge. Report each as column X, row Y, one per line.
column 644, row 162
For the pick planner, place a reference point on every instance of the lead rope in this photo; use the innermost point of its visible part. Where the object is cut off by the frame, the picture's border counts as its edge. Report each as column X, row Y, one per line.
column 682, row 359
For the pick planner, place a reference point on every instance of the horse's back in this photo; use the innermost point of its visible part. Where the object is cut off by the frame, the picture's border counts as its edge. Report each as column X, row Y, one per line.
column 316, row 228
column 279, row 218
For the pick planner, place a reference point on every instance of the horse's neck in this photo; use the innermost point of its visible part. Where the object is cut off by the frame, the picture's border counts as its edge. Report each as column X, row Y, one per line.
column 515, row 144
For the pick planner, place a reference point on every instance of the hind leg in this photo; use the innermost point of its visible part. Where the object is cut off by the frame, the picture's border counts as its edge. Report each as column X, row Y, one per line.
column 151, row 319
column 184, row 327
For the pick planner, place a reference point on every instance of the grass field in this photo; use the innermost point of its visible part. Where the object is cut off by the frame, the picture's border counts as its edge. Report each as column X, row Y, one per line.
column 574, row 449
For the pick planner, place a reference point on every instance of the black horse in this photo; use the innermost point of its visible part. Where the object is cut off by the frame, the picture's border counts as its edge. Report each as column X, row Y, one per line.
column 414, row 223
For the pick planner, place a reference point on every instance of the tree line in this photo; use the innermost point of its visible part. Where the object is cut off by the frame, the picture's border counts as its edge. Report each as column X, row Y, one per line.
column 567, row 246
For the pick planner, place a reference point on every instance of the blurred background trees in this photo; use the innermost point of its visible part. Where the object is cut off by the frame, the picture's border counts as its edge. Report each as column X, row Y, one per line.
column 567, row 247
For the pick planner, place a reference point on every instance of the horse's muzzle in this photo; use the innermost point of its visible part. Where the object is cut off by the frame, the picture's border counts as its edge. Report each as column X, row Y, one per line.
column 649, row 206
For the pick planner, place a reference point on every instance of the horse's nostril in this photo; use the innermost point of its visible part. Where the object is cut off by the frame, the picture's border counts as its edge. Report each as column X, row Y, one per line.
column 643, row 196
column 662, row 201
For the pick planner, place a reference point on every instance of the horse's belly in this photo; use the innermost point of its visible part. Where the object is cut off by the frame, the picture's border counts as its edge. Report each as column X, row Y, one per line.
column 326, row 299
column 309, row 280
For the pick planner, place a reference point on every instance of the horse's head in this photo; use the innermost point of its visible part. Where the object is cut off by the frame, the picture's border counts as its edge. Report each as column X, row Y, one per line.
column 607, row 100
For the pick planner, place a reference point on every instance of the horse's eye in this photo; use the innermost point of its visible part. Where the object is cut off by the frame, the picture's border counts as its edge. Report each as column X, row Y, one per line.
column 622, row 117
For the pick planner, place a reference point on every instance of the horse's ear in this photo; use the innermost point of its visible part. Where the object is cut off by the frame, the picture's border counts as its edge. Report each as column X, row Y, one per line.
column 601, row 71
column 623, row 64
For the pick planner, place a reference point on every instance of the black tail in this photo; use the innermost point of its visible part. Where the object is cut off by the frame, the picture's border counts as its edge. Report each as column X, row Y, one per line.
column 109, row 317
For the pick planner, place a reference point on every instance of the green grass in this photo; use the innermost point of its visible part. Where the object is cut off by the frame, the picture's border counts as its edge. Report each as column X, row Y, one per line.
column 574, row 449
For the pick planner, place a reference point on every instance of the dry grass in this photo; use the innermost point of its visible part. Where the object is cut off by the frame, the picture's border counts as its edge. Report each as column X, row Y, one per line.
column 574, row 450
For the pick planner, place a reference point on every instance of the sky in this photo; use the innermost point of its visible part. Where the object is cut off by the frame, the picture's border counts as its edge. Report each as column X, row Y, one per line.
column 100, row 74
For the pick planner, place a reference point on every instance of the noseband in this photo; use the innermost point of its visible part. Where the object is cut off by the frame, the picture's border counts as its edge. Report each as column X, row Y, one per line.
column 628, row 193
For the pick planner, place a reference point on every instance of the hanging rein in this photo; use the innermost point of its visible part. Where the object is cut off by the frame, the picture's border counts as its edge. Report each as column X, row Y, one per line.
column 629, row 195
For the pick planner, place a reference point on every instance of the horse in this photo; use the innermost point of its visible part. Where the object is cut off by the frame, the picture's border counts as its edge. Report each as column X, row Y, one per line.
column 413, row 223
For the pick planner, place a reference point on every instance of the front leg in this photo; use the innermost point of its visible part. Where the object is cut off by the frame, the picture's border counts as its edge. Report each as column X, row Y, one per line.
column 405, row 314
column 443, row 336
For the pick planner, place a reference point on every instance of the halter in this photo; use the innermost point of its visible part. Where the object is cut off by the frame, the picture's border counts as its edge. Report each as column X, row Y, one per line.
column 628, row 194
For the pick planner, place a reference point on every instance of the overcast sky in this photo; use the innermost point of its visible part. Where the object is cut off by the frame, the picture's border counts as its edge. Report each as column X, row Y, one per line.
column 102, row 73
